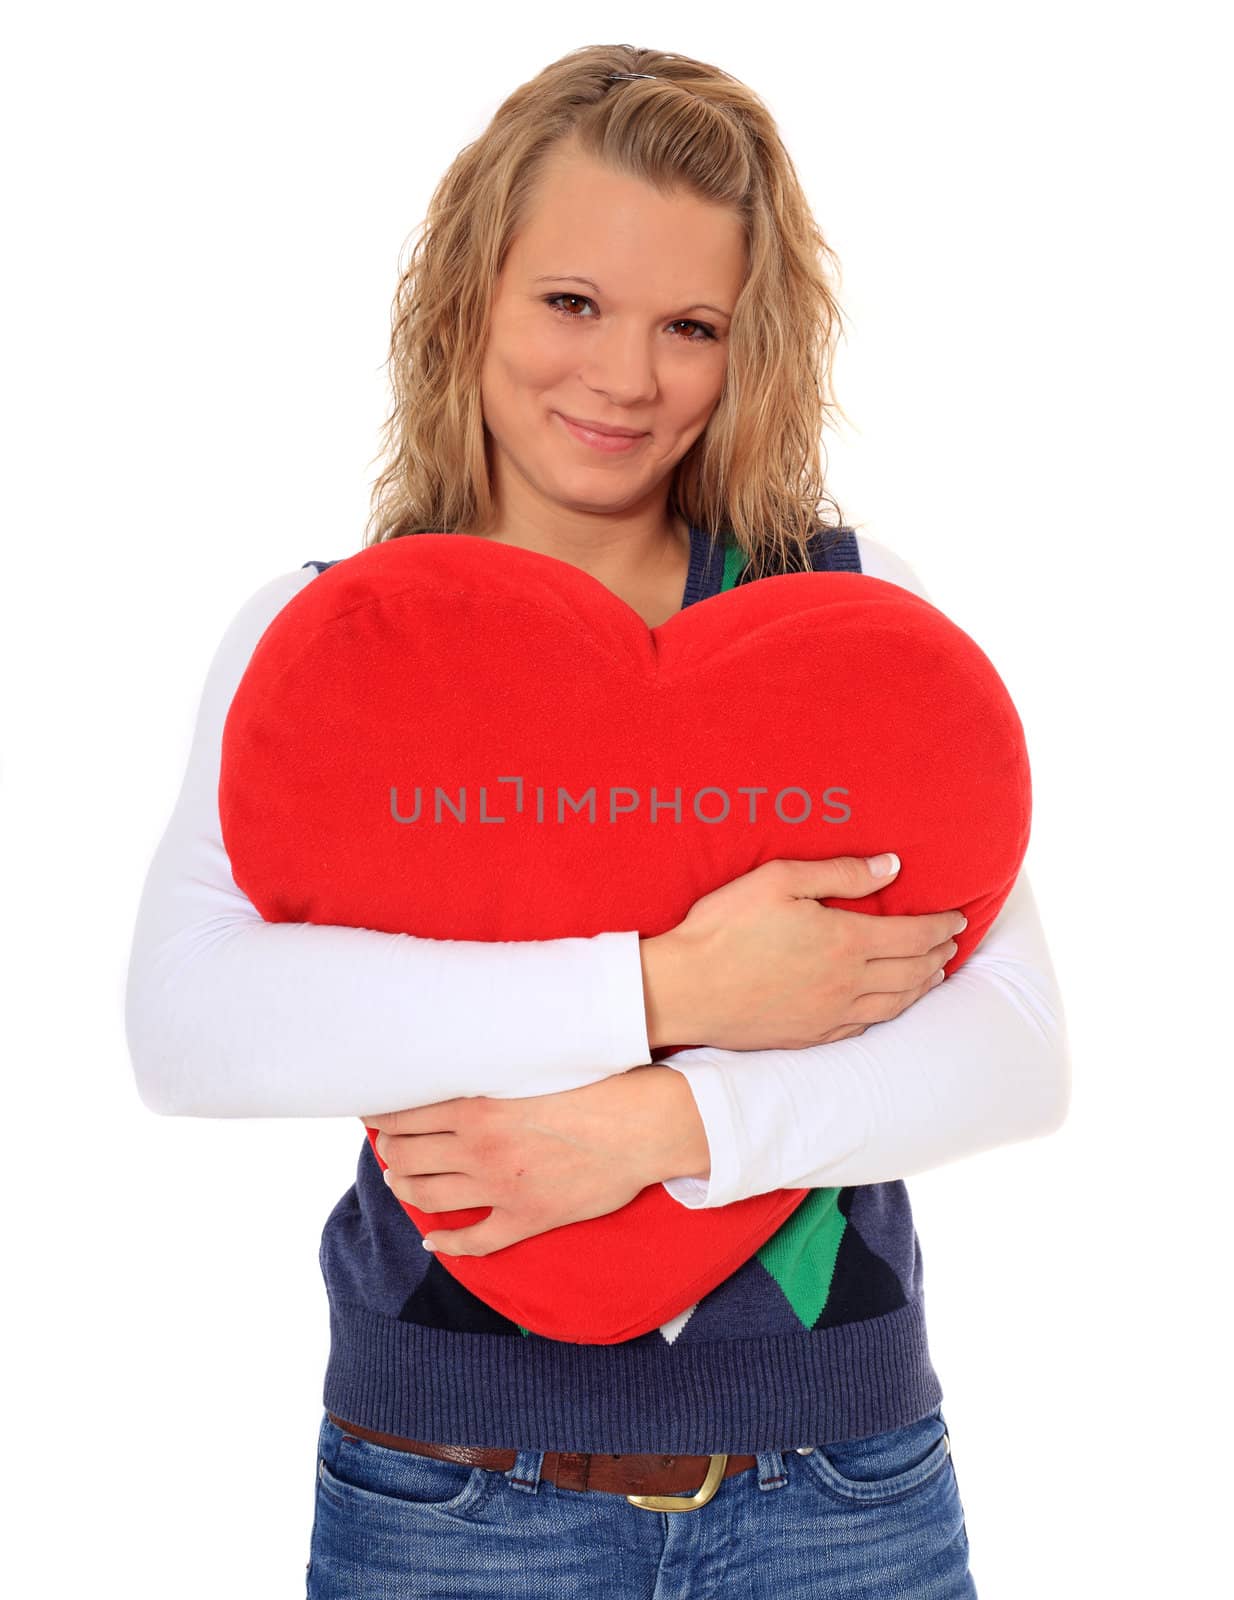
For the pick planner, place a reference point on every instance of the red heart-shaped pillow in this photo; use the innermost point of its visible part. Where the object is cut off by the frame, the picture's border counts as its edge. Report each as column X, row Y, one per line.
column 459, row 739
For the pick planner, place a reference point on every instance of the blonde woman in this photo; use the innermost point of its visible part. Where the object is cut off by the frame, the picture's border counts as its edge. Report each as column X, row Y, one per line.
column 625, row 250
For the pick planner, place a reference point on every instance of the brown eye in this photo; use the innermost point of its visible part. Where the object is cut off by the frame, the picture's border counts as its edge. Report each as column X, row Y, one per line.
column 552, row 300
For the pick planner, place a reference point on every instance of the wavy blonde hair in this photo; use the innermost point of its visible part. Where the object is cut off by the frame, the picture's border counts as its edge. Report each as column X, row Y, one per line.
column 754, row 473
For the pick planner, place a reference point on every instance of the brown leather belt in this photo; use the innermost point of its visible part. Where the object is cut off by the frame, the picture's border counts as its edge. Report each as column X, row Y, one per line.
column 651, row 1482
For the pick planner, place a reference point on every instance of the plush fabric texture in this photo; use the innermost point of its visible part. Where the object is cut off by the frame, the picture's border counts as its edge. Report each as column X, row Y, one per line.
column 462, row 740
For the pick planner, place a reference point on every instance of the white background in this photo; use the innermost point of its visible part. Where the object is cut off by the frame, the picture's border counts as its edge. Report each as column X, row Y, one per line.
column 204, row 209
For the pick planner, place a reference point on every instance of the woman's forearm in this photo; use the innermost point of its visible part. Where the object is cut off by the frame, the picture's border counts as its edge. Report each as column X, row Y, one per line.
column 668, row 993
column 981, row 1061
column 664, row 1120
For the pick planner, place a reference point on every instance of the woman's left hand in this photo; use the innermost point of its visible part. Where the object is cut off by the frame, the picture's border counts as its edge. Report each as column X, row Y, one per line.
column 543, row 1160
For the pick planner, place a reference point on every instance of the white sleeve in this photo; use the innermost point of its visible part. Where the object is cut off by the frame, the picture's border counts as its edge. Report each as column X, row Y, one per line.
column 982, row 1060
column 227, row 1015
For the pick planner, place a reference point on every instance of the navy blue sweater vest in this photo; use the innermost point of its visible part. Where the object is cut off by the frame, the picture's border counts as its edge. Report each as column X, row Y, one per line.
column 820, row 1336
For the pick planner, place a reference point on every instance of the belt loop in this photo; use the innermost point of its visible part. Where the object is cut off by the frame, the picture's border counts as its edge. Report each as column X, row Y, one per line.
column 524, row 1475
column 329, row 1437
column 769, row 1464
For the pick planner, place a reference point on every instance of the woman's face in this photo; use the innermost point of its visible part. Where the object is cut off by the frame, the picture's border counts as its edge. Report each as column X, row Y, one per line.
column 644, row 345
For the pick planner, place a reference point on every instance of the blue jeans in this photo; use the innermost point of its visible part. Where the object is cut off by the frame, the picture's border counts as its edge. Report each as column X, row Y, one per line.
column 867, row 1518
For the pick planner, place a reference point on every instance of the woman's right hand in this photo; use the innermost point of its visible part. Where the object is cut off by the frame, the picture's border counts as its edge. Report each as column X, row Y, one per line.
column 759, row 964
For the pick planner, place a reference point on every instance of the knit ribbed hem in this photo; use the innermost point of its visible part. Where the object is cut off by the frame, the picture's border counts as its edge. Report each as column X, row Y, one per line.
column 740, row 1395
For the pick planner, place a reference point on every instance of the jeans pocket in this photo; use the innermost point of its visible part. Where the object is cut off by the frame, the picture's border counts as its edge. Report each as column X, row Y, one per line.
column 882, row 1466
column 359, row 1476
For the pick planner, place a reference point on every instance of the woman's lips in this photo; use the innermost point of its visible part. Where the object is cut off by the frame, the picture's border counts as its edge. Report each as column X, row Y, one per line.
column 610, row 442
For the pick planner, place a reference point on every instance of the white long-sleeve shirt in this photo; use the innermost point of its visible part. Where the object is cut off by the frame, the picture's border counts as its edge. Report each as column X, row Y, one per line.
column 227, row 1015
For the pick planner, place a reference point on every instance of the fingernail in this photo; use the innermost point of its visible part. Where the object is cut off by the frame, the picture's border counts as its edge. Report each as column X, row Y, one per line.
column 883, row 866
column 387, row 1175
column 427, row 1245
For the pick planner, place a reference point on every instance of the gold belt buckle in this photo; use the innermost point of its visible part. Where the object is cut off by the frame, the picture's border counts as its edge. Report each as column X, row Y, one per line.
column 677, row 1502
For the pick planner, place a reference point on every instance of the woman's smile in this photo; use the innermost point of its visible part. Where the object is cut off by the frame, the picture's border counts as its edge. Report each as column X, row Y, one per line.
column 612, row 443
